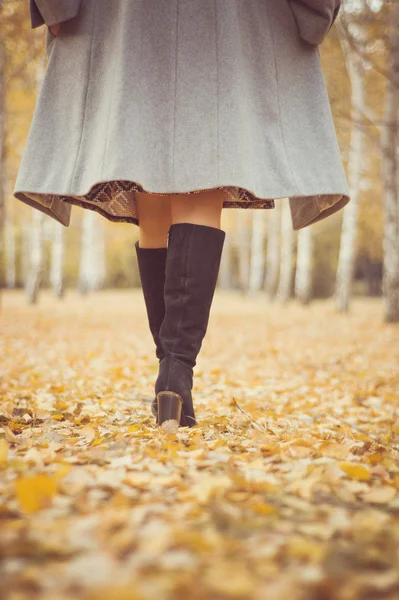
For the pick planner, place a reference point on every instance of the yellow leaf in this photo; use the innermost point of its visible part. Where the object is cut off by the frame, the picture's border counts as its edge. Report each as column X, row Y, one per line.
column 36, row 492
column 3, row 452
column 265, row 509
column 97, row 441
column 134, row 428
column 355, row 471
column 376, row 459
column 58, row 417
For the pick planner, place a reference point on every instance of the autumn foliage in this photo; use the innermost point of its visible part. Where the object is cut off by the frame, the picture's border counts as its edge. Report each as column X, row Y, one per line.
column 287, row 488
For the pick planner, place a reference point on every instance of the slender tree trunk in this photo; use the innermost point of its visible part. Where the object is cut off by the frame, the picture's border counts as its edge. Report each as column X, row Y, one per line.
column 346, row 260
column 257, row 264
column 100, row 253
column 273, row 250
column 303, row 274
column 224, row 279
column 9, row 236
column 287, row 233
column 57, row 260
column 25, row 259
column 2, row 144
column 36, row 257
column 243, row 233
column 86, row 266
column 389, row 142
column 92, row 257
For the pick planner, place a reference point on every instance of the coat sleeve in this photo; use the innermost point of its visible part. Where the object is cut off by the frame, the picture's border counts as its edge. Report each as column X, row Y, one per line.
column 52, row 12
column 315, row 18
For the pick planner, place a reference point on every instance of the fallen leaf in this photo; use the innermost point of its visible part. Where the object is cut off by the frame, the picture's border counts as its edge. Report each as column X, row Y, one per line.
column 35, row 492
column 10, row 436
column 355, row 471
column 3, row 452
column 380, row 495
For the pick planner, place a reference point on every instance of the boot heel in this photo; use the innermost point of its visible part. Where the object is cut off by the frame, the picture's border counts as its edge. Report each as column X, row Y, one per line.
column 169, row 411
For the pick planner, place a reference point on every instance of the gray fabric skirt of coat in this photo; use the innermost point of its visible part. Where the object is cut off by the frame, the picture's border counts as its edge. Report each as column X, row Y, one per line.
column 178, row 96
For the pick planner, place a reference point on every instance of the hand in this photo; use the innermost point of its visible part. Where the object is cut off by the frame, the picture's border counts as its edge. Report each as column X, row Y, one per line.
column 55, row 29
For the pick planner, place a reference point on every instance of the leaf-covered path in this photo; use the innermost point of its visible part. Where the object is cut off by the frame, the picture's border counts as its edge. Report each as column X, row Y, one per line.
column 287, row 488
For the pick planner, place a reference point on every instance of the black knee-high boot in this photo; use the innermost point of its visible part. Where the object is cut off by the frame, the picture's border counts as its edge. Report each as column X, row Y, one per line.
column 192, row 267
column 152, row 263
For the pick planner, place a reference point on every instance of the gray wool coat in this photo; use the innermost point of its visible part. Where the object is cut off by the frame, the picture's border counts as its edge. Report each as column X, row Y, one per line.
column 170, row 96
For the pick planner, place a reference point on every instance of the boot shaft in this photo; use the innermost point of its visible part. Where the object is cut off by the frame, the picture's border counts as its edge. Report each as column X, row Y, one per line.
column 192, row 267
column 152, row 264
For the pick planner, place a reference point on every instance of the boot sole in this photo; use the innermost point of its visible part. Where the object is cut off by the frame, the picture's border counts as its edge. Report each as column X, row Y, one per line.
column 169, row 411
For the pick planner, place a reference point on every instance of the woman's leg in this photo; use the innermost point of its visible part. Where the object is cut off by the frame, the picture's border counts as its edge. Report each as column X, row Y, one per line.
column 204, row 208
column 194, row 251
column 157, row 213
column 195, row 247
column 155, row 219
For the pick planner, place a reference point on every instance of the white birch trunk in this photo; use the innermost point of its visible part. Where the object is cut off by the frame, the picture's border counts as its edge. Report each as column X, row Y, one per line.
column 10, row 274
column 389, row 142
column 224, row 279
column 26, row 244
column 286, row 267
column 92, row 257
column 346, row 260
column 304, row 266
column 273, row 250
column 2, row 140
column 100, row 253
column 36, row 257
column 57, row 260
column 257, row 262
column 243, row 231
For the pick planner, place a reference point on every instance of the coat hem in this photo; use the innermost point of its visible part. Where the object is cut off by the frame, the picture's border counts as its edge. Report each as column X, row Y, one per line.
column 305, row 209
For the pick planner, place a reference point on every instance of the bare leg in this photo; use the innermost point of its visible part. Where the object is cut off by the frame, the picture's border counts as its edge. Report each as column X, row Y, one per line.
column 203, row 208
column 156, row 215
column 155, row 219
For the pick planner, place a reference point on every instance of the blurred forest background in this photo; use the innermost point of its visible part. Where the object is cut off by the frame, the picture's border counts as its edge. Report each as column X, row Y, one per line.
column 355, row 252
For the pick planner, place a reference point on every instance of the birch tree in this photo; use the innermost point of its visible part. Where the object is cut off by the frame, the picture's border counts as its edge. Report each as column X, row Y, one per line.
column 2, row 132
column 287, row 245
column 273, row 250
column 34, row 278
column 35, row 272
column 224, row 279
column 257, row 261
column 92, row 256
column 304, row 266
column 389, row 143
column 57, row 260
column 9, row 238
column 243, row 242
column 346, row 260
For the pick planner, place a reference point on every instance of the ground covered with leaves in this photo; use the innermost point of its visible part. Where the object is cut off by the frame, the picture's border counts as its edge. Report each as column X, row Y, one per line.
column 287, row 488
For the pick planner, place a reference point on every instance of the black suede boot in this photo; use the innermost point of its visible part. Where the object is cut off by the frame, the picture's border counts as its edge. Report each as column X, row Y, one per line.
column 152, row 263
column 192, row 267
